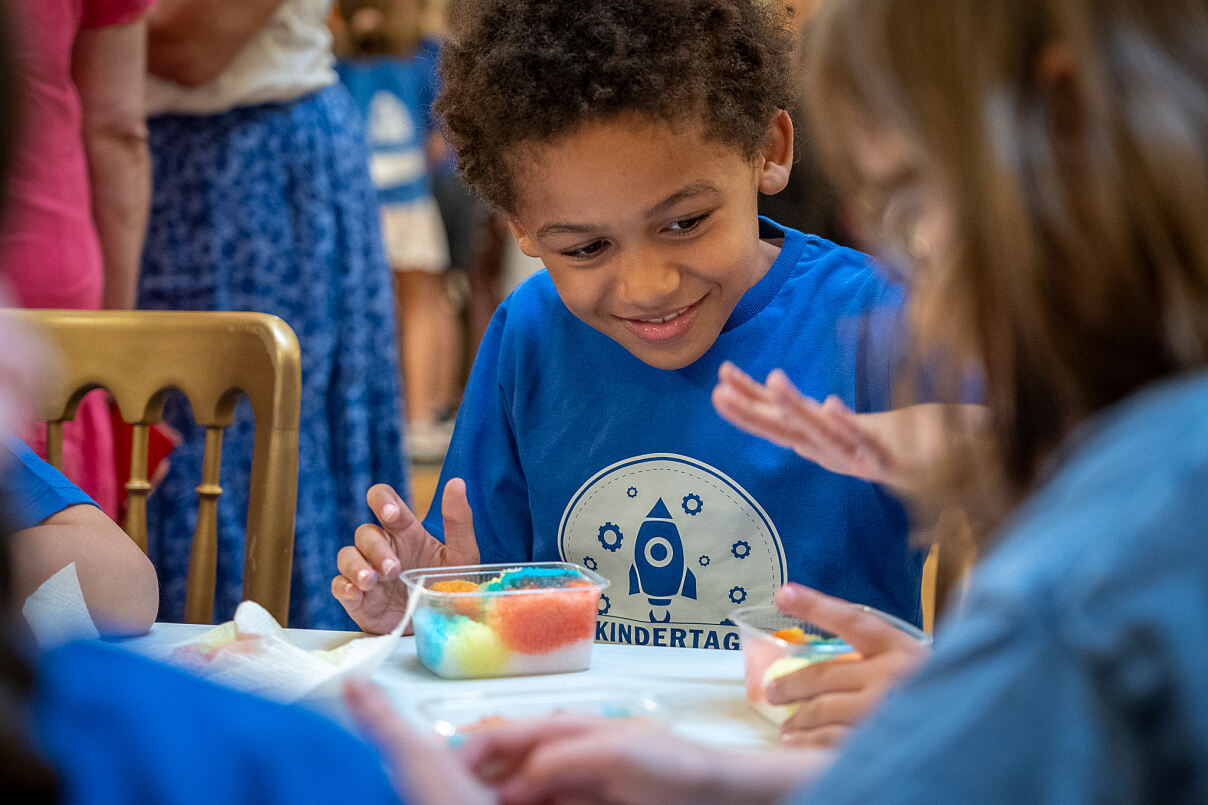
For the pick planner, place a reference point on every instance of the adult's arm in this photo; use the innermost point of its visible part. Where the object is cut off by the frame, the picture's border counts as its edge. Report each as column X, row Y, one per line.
column 191, row 42
column 109, row 67
column 117, row 579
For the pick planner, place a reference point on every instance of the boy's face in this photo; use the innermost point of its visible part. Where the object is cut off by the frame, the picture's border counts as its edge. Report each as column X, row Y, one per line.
column 649, row 232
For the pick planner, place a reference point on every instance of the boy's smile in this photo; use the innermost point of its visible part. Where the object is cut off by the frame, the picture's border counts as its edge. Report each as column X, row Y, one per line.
column 649, row 232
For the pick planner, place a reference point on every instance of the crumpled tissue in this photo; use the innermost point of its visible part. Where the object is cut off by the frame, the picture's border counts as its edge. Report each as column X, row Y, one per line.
column 253, row 653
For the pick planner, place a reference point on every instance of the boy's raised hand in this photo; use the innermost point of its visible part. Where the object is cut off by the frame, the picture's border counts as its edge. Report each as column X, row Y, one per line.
column 368, row 585
column 835, row 695
column 828, row 433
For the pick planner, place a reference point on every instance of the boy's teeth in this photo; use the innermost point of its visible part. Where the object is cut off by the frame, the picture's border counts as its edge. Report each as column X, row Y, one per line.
column 666, row 318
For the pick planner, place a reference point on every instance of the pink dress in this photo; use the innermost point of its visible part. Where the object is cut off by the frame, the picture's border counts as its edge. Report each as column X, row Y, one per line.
column 49, row 247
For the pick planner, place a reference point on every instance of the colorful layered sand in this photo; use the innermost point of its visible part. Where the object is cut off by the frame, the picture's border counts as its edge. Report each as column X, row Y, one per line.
column 526, row 620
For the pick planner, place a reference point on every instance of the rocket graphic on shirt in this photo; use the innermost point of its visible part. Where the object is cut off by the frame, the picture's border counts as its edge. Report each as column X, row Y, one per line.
column 691, row 542
column 659, row 570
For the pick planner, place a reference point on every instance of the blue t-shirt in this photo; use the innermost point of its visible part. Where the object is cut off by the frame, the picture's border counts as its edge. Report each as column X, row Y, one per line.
column 121, row 728
column 32, row 489
column 573, row 449
column 1077, row 671
column 395, row 98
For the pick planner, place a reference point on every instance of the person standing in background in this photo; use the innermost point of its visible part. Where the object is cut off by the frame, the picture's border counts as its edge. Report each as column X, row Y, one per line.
column 79, row 191
column 263, row 202
column 388, row 66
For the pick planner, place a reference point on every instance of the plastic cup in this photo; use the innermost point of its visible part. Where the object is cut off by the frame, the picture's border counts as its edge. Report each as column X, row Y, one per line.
column 775, row 644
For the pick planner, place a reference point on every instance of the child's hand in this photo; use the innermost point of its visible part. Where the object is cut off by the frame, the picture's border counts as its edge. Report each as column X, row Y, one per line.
column 423, row 768
column 368, row 584
column 828, row 434
column 836, row 695
column 573, row 757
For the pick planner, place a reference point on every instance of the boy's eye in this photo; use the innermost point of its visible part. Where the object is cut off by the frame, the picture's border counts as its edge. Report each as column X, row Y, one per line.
column 583, row 252
column 687, row 224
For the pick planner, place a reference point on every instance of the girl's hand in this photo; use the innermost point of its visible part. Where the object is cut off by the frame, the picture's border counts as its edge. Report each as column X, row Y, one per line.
column 828, row 433
column 422, row 767
column 834, row 696
column 571, row 757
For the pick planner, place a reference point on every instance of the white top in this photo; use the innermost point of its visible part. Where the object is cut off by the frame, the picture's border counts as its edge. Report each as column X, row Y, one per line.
column 286, row 59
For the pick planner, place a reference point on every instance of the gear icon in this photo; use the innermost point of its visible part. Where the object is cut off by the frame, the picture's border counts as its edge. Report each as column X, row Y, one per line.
column 703, row 561
column 741, row 549
column 610, row 544
column 697, row 504
column 632, row 491
column 738, row 595
column 604, row 605
column 589, row 562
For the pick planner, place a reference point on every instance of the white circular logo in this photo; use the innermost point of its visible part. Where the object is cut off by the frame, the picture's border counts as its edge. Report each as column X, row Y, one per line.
column 682, row 543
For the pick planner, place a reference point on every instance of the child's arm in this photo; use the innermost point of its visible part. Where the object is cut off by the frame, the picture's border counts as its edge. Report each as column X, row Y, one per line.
column 832, row 697
column 895, row 448
column 368, row 585
column 117, row 579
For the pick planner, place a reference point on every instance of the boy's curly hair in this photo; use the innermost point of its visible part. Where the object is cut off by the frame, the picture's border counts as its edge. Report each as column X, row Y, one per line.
column 525, row 71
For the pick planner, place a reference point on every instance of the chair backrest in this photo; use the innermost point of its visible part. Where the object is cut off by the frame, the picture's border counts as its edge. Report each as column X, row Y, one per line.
column 214, row 358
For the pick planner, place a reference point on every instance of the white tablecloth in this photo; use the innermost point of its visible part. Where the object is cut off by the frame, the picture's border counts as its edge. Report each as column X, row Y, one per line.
column 700, row 693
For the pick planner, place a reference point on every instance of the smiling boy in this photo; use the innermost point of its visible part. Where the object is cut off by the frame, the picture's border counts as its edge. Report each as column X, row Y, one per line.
column 627, row 142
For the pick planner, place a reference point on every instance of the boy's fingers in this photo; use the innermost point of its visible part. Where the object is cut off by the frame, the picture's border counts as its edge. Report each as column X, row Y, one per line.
column 460, row 542
column 354, row 567
column 346, row 592
column 863, row 631
column 387, row 506
column 377, row 550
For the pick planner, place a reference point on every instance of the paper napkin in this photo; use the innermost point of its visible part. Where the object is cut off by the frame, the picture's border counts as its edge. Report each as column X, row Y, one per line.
column 253, row 653
column 56, row 611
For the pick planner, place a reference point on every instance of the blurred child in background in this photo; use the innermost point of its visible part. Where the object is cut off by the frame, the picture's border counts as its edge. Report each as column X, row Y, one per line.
column 388, row 68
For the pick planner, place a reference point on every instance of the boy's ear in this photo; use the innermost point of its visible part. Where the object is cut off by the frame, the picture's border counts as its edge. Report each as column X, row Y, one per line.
column 522, row 237
column 777, row 155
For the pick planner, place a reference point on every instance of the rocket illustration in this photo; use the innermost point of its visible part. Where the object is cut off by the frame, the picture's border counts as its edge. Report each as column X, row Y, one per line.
column 659, row 571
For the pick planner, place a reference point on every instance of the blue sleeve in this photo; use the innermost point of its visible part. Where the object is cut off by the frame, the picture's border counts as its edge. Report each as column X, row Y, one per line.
column 33, row 489
column 485, row 453
column 121, row 728
column 953, row 733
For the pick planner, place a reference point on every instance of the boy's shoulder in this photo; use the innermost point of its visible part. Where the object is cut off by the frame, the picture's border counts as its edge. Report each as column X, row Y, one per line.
column 534, row 302
column 821, row 271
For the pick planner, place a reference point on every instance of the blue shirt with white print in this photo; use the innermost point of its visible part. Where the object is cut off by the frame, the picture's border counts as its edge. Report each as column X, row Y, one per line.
column 573, row 449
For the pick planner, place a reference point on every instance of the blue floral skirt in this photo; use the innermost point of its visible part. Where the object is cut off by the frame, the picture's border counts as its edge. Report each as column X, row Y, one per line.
column 270, row 208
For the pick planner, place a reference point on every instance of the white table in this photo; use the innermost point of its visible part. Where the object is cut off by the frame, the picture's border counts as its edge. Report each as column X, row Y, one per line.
column 701, row 692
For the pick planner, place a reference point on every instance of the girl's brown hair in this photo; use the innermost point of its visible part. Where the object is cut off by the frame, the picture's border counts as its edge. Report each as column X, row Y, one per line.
column 1070, row 138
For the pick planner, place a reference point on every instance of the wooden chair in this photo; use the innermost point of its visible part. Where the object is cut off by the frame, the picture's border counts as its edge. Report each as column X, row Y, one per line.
column 214, row 358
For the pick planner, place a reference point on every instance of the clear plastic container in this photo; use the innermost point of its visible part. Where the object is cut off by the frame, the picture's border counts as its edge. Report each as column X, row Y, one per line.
column 456, row 717
column 775, row 644
column 505, row 620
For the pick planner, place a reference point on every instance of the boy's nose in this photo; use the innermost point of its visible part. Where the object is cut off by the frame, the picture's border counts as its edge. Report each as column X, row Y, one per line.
column 646, row 279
